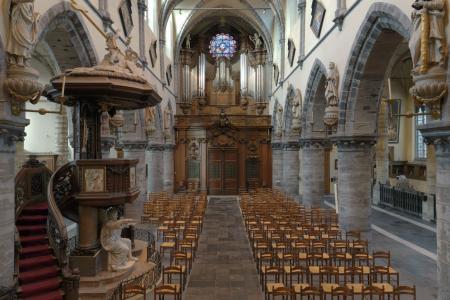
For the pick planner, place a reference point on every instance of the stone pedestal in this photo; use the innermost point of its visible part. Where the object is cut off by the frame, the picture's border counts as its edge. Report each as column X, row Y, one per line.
column 168, row 167
column 312, row 171
column 155, row 168
column 291, row 168
column 439, row 135
column 136, row 150
column 354, row 183
column 277, row 165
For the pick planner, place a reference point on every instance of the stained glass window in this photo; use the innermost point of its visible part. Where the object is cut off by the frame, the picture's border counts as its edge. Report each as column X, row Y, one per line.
column 222, row 45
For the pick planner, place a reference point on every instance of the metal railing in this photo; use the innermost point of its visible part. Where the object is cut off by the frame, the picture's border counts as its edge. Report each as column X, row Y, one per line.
column 146, row 281
column 406, row 201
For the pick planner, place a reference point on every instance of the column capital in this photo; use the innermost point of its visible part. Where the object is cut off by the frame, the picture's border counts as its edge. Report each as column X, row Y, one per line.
column 142, row 6
column 134, row 145
column 291, row 146
column 8, row 138
column 436, row 133
column 301, row 6
column 315, row 143
column 169, row 147
column 277, row 146
column 354, row 142
column 155, row 147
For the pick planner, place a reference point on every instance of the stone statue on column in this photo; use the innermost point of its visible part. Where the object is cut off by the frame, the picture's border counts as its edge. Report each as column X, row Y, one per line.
column 256, row 39
column 297, row 111
column 427, row 43
column 331, row 115
column 150, row 121
column 22, row 32
column 21, row 82
column 279, row 115
column 167, row 122
column 118, row 248
column 188, row 41
column 429, row 52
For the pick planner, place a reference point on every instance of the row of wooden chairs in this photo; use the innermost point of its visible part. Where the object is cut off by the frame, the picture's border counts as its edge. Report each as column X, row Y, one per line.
column 299, row 252
column 178, row 233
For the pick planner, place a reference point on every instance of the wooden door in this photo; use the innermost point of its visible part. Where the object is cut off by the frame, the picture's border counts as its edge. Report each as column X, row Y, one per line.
column 223, row 172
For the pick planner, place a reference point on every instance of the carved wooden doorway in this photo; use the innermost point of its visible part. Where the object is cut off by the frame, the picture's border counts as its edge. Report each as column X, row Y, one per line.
column 223, row 171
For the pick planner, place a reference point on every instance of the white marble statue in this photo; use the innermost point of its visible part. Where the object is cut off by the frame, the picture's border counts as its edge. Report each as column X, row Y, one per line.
column 297, row 110
column 256, row 39
column 188, row 41
column 118, row 248
column 332, row 86
column 167, row 121
column 427, row 43
column 22, row 32
column 279, row 114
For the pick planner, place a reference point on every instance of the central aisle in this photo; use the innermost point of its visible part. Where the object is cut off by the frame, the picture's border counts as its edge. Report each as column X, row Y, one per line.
column 224, row 267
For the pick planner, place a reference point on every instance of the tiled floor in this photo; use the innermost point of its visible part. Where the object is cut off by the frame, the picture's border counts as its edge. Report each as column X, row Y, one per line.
column 223, row 268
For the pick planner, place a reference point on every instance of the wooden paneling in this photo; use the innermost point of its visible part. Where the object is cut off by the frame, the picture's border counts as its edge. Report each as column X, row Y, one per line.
column 223, row 170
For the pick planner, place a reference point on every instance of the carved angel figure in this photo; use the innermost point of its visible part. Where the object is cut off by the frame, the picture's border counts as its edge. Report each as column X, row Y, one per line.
column 427, row 43
column 332, row 86
column 118, row 248
column 22, row 32
column 256, row 39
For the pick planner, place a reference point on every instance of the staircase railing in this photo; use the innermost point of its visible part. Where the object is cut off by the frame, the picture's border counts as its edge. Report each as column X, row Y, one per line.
column 61, row 188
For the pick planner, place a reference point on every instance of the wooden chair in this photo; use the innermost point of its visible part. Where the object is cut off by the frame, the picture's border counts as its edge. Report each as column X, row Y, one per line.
column 329, row 279
column 284, row 292
column 270, row 273
column 352, row 235
column 180, row 256
column 309, row 292
column 405, row 290
column 385, row 256
column 372, row 292
column 171, row 271
column 342, row 293
column 167, row 290
column 300, row 273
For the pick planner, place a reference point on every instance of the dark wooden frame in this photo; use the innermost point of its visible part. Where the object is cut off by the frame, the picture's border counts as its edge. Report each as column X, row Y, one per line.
column 126, row 16
column 291, row 52
column 316, row 25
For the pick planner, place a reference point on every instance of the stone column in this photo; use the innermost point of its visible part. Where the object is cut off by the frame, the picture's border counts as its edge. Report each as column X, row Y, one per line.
column 155, row 168
column 142, row 9
column 136, row 150
column 7, row 175
column 301, row 7
column 312, row 171
column 428, row 206
column 440, row 137
column 381, row 152
column 354, row 183
column 62, row 147
column 340, row 12
column 168, row 168
column 277, row 165
column 104, row 12
column 291, row 165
